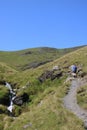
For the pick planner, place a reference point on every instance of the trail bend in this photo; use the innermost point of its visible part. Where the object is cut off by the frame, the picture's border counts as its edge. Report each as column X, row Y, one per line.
column 70, row 101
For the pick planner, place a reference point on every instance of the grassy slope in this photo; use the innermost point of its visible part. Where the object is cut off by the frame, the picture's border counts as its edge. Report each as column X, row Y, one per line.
column 78, row 57
column 23, row 59
column 46, row 111
column 82, row 96
column 5, row 71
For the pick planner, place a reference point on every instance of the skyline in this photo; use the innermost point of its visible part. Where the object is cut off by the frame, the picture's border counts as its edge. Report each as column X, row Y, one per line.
column 42, row 23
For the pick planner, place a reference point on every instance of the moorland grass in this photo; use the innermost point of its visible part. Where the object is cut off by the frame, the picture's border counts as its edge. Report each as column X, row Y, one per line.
column 46, row 110
column 82, row 96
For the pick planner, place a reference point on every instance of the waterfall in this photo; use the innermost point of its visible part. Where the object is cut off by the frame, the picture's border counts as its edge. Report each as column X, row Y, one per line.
column 12, row 96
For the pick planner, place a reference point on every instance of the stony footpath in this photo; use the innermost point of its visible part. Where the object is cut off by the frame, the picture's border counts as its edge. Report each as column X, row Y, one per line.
column 70, row 101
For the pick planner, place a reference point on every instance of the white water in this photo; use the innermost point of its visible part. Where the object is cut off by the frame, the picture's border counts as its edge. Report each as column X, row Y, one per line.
column 12, row 96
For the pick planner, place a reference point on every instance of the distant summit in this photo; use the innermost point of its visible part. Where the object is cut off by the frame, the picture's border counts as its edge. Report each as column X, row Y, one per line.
column 34, row 57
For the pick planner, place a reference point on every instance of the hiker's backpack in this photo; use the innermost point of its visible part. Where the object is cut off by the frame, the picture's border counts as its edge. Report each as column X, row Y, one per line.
column 73, row 68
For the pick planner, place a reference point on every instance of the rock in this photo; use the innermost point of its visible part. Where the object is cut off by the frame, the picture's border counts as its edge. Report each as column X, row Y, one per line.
column 57, row 75
column 28, row 52
column 55, row 67
column 2, row 82
column 45, row 76
column 19, row 100
column 81, row 74
column 50, row 75
column 85, row 125
column 34, row 64
column 79, row 69
column 69, row 79
column 27, row 125
column 73, row 74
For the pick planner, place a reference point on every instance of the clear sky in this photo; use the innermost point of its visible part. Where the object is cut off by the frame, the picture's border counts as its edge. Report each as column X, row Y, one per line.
column 38, row 23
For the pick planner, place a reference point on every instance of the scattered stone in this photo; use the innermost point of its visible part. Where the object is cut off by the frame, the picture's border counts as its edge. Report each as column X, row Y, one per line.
column 55, row 68
column 81, row 74
column 34, row 64
column 85, row 125
column 57, row 75
column 79, row 69
column 47, row 74
column 74, row 75
column 2, row 82
column 50, row 74
column 28, row 125
column 41, row 102
column 69, row 79
column 27, row 53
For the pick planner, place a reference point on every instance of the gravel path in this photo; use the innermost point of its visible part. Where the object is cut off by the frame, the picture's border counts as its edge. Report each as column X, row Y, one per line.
column 70, row 101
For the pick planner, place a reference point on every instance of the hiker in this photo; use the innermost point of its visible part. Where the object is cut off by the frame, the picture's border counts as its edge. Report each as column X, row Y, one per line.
column 73, row 69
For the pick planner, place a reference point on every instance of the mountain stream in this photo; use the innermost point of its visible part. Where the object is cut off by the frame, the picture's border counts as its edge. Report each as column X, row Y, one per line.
column 11, row 96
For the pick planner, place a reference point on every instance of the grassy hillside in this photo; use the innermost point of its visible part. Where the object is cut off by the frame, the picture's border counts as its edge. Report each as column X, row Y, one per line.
column 31, row 58
column 82, row 96
column 5, row 71
column 46, row 112
column 45, row 109
column 78, row 57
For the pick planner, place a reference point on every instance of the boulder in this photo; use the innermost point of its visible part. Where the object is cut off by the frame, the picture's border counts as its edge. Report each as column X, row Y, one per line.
column 47, row 74
column 55, row 67
column 2, row 82
column 57, row 75
column 52, row 74
column 74, row 75
column 79, row 69
column 81, row 74
column 19, row 100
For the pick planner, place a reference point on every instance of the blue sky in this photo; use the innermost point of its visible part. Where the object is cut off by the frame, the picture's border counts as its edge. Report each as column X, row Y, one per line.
column 38, row 23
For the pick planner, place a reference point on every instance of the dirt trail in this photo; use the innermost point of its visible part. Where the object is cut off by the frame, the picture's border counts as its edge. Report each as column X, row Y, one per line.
column 70, row 101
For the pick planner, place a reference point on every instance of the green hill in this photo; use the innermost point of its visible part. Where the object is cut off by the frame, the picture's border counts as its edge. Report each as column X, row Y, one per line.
column 5, row 71
column 45, row 109
column 32, row 58
column 77, row 57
